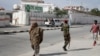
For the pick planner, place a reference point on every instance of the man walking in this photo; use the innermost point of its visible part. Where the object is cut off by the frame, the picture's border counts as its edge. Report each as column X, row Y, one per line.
column 95, row 30
column 66, row 33
column 36, row 37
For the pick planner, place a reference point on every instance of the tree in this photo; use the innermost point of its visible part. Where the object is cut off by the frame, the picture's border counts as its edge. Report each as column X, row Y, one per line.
column 95, row 11
column 57, row 11
column 64, row 12
column 60, row 13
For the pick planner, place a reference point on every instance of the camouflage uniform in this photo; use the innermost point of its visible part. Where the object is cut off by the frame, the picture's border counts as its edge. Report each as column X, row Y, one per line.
column 36, row 37
column 66, row 34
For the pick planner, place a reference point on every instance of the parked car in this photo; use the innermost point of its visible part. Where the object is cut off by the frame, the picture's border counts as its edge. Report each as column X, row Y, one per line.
column 53, row 23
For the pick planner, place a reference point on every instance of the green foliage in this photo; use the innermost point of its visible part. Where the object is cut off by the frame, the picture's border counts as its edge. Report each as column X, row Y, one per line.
column 95, row 11
column 56, row 9
column 60, row 13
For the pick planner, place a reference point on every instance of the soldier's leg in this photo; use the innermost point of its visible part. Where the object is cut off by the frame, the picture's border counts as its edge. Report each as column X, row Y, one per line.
column 65, row 45
column 37, row 49
column 67, row 41
column 32, row 47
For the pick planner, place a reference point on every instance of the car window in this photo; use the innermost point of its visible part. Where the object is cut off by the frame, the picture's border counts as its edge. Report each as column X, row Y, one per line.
column 46, row 20
column 57, row 20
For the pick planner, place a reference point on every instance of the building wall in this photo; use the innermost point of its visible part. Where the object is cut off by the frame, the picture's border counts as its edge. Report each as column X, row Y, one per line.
column 20, row 18
column 27, row 18
column 79, row 8
column 4, row 18
column 82, row 18
column 4, row 21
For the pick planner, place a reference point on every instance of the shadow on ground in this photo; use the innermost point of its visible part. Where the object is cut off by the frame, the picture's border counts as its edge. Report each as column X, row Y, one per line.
column 52, row 54
column 98, row 44
column 7, row 33
column 9, row 26
column 80, row 49
column 63, row 53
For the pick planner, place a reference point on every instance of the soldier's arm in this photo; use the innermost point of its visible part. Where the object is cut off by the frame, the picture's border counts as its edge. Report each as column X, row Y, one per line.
column 62, row 28
column 42, row 34
column 30, row 33
column 68, row 28
column 30, row 30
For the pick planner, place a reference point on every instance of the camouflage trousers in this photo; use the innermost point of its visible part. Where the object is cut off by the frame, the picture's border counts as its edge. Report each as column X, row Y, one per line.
column 36, row 49
column 67, row 40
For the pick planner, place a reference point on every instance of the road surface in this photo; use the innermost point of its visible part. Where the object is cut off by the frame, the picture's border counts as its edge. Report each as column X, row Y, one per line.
column 18, row 43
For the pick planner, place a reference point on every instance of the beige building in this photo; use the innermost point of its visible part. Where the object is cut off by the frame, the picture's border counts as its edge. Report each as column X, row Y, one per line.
column 1, row 8
column 79, row 8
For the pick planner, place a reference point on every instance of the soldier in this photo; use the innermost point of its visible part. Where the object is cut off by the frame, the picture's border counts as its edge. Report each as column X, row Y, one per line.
column 66, row 33
column 36, row 37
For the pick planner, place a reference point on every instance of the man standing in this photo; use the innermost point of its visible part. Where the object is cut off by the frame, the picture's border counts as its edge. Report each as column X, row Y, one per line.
column 36, row 37
column 95, row 30
column 66, row 33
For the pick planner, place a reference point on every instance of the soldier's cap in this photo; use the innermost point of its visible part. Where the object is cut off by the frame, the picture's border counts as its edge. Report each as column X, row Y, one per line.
column 65, row 21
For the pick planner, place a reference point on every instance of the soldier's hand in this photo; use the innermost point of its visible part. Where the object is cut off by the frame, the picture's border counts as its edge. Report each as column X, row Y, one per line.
column 90, row 30
column 30, row 39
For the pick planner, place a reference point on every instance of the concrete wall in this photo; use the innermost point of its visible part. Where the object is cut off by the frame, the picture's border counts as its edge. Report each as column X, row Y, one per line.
column 4, row 20
column 41, row 17
column 20, row 18
column 27, row 18
column 82, row 18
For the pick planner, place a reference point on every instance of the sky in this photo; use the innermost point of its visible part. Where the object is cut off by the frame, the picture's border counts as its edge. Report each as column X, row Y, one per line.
column 8, row 4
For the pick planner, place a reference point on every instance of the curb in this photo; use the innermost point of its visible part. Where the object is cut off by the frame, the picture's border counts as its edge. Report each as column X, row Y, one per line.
column 21, row 31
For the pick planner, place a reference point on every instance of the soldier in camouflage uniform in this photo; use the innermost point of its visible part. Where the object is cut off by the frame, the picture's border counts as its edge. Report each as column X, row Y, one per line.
column 66, row 34
column 36, row 37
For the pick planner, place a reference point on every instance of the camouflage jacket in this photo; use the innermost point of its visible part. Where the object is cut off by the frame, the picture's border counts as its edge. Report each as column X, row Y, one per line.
column 36, row 36
column 65, row 29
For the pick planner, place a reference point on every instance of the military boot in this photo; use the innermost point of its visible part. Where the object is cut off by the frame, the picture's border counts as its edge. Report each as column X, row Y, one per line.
column 64, row 48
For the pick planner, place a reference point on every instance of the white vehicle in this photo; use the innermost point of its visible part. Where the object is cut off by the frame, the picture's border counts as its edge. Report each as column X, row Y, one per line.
column 47, row 23
column 53, row 22
column 57, row 22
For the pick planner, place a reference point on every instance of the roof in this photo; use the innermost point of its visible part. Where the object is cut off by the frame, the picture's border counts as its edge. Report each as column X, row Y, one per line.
column 1, row 8
column 39, row 1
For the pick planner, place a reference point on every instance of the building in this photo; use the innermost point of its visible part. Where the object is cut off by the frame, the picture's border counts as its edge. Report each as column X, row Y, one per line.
column 5, row 17
column 38, row 1
column 27, row 11
column 78, row 8
column 36, row 7
column 1, row 8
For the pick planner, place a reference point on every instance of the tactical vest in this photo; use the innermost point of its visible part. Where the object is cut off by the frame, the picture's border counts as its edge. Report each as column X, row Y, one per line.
column 66, row 28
